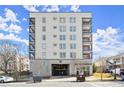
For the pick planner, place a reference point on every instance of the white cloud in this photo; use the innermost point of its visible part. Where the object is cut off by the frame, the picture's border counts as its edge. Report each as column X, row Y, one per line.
column 3, row 26
column 14, row 28
column 10, row 16
column 51, row 8
column 24, row 19
column 27, row 29
column 13, row 38
column 107, row 42
column 75, row 8
column 31, row 8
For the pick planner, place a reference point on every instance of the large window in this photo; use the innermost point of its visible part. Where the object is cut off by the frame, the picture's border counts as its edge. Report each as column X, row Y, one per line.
column 62, row 55
column 72, row 28
column 62, row 28
column 72, row 20
column 73, row 46
column 43, row 45
column 43, row 20
column 62, row 46
column 72, row 37
column 62, row 37
column 62, row 20
column 72, row 55
column 43, row 55
column 43, row 37
column 44, row 28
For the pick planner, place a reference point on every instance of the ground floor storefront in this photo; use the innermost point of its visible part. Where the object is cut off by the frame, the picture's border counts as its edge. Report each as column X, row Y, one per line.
column 61, row 67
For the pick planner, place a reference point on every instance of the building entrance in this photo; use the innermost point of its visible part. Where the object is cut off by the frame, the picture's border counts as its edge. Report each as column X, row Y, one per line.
column 60, row 69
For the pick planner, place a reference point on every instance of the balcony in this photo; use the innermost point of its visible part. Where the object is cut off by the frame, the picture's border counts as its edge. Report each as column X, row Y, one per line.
column 87, row 51
column 31, row 55
column 87, row 34
column 31, row 21
column 31, row 43
column 86, row 27
column 31, row 48
column 32, row 29
column 32, row 35
column 87, row 56
column 86, row 19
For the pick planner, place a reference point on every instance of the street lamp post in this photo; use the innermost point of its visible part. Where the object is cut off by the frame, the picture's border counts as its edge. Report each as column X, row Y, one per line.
column 115, row 70
column 101, row 71
column 114, row 67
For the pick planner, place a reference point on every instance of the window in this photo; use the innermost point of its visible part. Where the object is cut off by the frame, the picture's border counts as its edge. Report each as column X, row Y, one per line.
column 72, row 28
column 43, row 54
column 62, row 28
column 62, row 46
column 62, row 37
column 72, row 55
column 43, row 45
column 43, row 20
column 72, row 20
column 54, row 18
column 54, row 27
column 54, row 53
column 43, row 28
column 72, row 37
column 62, row 55
column 44, row 37
column 54, row 44
column 62, row 20
column 73, row 46
column 54, row 36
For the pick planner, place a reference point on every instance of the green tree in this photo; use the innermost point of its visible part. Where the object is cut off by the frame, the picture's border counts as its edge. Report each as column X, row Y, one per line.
column 94, row 68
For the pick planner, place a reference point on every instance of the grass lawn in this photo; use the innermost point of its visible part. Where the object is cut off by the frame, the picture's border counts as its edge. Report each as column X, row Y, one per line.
column 104, row 75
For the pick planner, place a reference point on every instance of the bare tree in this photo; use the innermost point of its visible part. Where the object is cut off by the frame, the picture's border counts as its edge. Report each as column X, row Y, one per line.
column 8, row 53
column 11, row 57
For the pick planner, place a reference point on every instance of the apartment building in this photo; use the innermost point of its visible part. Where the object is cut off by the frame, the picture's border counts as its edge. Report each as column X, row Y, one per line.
column 119, row 60
column 60, row 43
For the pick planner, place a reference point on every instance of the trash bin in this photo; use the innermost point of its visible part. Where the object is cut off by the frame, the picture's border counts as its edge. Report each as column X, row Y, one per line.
column 37, row 79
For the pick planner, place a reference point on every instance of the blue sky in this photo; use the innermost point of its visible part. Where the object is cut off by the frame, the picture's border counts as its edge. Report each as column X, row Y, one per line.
column 107, row 25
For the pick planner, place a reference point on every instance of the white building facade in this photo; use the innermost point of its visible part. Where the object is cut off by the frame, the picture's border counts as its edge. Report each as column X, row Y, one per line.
column 60, row 43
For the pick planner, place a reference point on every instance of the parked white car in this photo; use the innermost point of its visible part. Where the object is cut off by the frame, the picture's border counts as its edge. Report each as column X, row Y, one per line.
column 118, row 71
column 6, row 79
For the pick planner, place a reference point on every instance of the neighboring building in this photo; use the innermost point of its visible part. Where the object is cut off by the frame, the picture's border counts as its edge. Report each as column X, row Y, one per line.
column 101, row 64
column 119, row 60
column 21, row 64
column 60, row 43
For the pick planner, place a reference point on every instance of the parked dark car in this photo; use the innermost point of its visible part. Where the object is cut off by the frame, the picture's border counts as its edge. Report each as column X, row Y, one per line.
column 80, row 78
column 37, row 79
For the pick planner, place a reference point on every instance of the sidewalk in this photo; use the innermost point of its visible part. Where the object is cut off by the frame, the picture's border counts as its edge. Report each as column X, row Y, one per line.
column 93, row 78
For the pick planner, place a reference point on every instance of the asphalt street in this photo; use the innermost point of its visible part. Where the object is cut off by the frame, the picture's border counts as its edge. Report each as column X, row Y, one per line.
column 65, row 82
